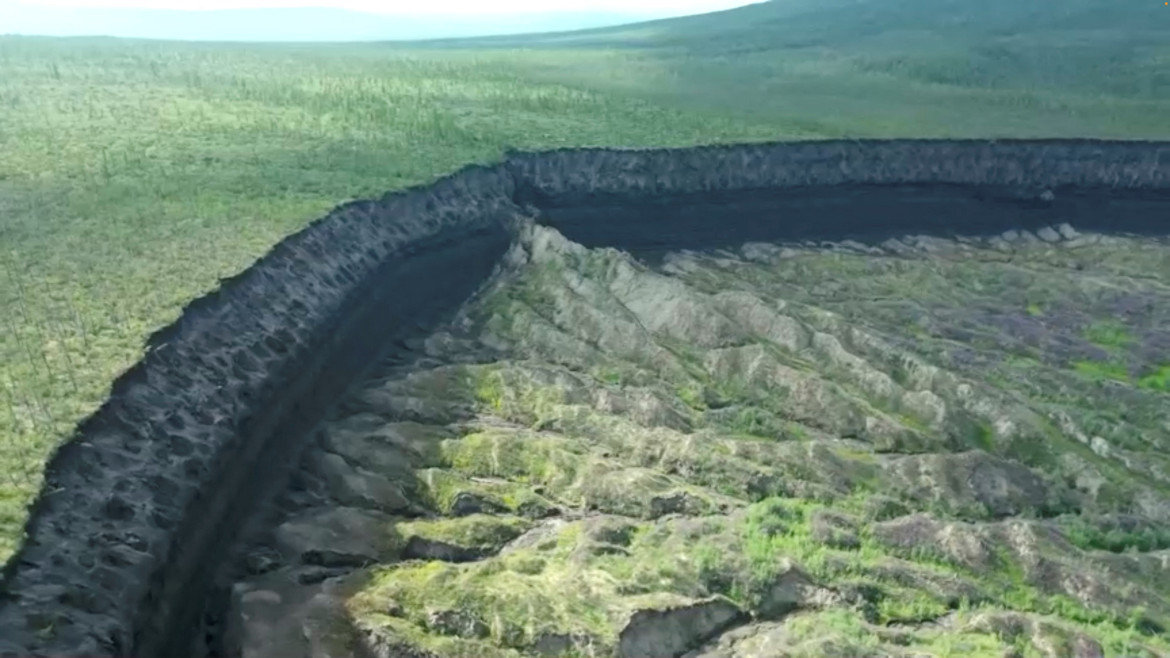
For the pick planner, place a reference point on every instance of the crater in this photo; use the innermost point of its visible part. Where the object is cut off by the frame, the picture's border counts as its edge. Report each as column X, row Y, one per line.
column 585, row 371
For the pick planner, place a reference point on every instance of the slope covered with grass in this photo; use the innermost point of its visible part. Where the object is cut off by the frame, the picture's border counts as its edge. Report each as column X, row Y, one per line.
column 900, row 67
column 134, row 175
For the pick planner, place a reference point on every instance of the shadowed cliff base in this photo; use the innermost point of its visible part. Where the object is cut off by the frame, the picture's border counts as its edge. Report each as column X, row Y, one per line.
column 650, row 227
column 237, row 379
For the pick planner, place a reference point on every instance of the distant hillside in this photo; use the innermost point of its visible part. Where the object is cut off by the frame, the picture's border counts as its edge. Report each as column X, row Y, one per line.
column 889, row 65
column 865, row 23
column 291, row 24
column 1124, row 46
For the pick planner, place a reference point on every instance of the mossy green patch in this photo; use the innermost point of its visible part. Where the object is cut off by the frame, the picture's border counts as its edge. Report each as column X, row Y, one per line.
column 482, row 532
column 441, row 489
column 909, row 606
column 1099, row 371
column 982, row 437
column 1111, row 537
column 513, row 608
column 753, row 421
column 511, row 394
column 526, row 457
column 739, row 556
column 841, row 632
column 1109, row 334
column 489, row 391
column 387, row 630
column 611, row 376
column 693, row 396
column 1158, row 380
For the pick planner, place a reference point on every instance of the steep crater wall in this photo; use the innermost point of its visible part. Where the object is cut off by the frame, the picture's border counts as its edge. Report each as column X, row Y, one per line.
column 141, row 505
column 650, row 202
column 138, row 506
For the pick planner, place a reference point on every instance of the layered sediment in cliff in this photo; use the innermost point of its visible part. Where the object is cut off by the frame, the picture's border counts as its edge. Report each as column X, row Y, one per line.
column 142, row 505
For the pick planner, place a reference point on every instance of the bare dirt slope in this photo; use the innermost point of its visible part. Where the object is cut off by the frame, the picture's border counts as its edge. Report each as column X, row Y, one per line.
column 914, row 447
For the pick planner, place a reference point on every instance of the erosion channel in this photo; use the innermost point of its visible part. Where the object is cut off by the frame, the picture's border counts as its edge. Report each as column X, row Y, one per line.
column 873, row 398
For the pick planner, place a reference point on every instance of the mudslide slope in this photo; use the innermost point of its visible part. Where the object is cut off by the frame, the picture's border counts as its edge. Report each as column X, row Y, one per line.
column 722, row 432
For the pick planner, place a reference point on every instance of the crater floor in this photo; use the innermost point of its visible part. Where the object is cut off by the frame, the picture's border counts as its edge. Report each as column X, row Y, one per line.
column 920, row 447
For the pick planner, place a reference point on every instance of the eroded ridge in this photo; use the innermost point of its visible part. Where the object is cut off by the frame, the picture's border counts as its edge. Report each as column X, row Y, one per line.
column 921, row 446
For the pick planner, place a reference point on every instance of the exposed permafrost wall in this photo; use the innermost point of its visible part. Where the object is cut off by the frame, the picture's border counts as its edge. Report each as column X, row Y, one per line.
column 584, row 176
column 140, row 506
column 649, row 202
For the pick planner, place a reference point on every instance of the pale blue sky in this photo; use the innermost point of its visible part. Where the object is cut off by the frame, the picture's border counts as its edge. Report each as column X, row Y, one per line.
column 330, row 20
column 426, row 7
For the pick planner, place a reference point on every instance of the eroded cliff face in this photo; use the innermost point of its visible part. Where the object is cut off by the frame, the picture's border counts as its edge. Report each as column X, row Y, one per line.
column 141, row 509
column 918, row 447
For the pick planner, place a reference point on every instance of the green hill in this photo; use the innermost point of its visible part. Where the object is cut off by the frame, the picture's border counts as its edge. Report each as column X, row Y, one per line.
column 901, row 66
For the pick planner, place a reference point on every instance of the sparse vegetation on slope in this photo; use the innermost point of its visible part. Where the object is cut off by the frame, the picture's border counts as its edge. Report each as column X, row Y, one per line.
column 782, row 450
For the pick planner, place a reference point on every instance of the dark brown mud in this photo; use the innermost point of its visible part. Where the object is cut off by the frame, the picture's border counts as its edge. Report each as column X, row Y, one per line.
column 142, row 505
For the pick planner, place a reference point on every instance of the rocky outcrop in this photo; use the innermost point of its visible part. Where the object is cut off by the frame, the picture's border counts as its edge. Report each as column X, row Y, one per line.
column 280, row 617
column 339, row 537
column 675, row 630
column 142, row 505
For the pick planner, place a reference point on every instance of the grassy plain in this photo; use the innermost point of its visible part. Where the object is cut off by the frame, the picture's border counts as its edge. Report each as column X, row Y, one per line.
column 135, row 175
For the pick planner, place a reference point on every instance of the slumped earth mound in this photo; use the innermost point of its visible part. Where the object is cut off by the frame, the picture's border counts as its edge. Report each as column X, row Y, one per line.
column 844, row 398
